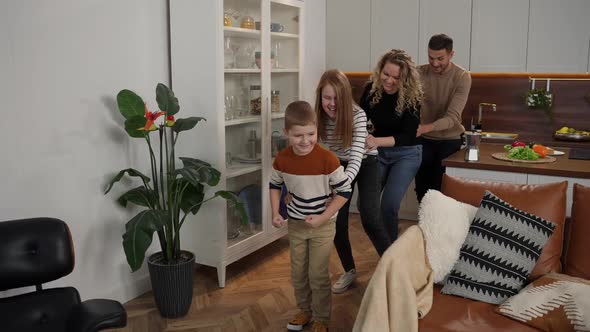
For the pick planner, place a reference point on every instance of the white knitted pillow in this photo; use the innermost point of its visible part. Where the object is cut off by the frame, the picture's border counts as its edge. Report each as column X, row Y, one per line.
column 444, row 222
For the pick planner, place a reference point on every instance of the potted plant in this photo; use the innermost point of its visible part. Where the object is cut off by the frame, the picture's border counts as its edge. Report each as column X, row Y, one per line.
column 540, row 99
column 169, row 195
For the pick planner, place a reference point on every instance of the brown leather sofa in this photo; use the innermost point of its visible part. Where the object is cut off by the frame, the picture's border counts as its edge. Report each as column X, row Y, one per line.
column 565, row 254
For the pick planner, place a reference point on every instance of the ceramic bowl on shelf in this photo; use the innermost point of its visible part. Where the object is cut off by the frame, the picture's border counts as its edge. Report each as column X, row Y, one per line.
column 575, row 137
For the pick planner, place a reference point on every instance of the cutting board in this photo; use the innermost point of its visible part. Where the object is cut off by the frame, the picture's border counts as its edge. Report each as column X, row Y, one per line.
column 504, row 156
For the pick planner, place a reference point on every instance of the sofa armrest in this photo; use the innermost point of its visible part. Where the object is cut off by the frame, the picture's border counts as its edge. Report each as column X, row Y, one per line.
column 97, row 314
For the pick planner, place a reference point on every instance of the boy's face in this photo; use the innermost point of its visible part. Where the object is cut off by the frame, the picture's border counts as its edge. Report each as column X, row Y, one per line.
column 302, row 138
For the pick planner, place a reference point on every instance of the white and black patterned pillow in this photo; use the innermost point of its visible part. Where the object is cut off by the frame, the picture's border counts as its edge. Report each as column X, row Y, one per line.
column 500, row 251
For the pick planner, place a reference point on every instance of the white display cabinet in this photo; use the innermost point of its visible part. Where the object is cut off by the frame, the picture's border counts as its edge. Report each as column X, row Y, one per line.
column 237, row 63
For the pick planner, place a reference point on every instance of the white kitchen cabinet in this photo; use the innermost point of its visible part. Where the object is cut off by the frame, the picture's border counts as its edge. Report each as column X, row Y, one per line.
column 214, row 71
column 499, row 35
column 348, row 35
column 559, row 33
column 394, row 24
column 452, row 17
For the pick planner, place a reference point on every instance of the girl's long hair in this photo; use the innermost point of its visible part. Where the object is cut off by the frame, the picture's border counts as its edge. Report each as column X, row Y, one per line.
column 410, row 91
column 345, row 106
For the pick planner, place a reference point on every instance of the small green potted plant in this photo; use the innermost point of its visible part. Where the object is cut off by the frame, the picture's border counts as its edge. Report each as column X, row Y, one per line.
column 169, row 195
column 540, row 99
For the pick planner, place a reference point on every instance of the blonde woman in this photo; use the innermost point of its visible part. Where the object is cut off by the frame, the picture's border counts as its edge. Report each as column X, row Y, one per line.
column 342, row 128
column 392, row 100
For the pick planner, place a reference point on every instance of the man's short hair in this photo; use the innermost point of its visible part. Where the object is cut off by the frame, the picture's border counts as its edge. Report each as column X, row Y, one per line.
column 299, row 113
column 440, row 41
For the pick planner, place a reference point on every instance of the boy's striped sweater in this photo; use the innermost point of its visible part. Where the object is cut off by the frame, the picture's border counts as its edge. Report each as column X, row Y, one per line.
column 310, row 180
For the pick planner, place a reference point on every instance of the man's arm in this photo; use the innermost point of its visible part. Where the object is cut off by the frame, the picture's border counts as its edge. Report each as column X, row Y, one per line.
column 453, row 113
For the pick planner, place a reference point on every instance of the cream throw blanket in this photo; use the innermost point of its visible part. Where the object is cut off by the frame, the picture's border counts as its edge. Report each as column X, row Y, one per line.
column 400, row 290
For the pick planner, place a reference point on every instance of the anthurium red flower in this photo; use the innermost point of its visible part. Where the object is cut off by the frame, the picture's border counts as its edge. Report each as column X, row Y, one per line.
column 151, row 117
column 170, row 120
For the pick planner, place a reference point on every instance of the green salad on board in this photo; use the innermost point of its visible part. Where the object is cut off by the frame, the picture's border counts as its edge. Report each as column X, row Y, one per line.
column 521, row 153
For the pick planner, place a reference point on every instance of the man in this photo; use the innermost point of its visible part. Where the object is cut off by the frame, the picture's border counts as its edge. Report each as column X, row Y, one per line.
column 446, row 88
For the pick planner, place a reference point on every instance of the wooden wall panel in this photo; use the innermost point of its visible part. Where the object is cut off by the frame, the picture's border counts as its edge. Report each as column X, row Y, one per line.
column 571, row 105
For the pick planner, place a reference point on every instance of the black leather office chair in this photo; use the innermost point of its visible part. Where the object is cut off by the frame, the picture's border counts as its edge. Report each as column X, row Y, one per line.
column 35, row 251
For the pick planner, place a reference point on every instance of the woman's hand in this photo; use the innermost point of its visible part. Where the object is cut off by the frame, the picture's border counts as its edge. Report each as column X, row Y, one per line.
column 371, row 142
column 374, row 142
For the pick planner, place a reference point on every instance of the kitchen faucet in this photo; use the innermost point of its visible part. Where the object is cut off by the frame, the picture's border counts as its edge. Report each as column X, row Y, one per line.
column 478, row 127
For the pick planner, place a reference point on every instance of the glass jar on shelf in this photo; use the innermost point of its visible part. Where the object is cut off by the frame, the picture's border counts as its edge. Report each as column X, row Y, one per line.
column 275, row 101
column 255, row 99
column 227, row 20
column 247, row 23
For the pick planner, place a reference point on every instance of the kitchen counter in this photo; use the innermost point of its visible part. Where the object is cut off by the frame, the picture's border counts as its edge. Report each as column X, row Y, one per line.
column 562, row 167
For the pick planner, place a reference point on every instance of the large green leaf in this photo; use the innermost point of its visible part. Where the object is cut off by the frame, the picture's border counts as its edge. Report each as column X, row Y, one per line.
column 130, row 104
column 236, row 202
column 192, row 196
column 167, row 102
column 186, row 124
column 138, row 235
column 134, row 126
column 119, row 176
column 140, row 196
column 202, row 171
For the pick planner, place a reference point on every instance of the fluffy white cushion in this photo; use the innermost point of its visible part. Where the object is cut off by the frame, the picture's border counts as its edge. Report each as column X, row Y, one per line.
column 444, row 222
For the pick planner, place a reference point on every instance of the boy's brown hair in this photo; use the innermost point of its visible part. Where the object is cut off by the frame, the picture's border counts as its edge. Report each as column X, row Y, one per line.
column 299, row 113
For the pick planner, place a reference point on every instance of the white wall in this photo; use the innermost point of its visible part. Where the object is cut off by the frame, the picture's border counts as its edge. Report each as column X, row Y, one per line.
column 62, row 64
column 314, row 30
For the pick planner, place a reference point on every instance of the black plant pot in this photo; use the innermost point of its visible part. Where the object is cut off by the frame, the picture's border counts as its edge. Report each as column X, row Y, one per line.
column 172, row 284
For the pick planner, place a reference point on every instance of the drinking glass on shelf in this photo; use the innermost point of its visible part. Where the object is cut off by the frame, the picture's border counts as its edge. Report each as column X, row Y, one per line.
column 244, row 58
column 229, row 59
column 276, row 46
column 229, row 107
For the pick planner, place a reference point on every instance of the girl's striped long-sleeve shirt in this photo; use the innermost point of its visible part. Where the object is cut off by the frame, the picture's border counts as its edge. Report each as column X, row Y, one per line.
column 355, row 153
column 310, row 180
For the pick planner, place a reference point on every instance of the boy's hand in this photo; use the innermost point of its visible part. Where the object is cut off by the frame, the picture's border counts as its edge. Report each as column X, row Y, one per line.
column 315, row 220
column 278, row 221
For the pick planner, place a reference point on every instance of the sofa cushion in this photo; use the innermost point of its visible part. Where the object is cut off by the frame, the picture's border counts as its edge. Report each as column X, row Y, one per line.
column 444, row 222
column 544, row 200
column 553, row 303
column 500, row 250
column 456, row 314
column 577, row 263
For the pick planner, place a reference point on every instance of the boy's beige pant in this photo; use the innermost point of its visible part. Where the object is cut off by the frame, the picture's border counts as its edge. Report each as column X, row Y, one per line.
column 310, row 258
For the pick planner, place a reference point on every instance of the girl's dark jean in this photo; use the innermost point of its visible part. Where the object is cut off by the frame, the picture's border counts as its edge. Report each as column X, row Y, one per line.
column 369, row 186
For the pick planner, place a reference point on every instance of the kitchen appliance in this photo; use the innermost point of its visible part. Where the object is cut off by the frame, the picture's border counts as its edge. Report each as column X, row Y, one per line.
column 472, row 141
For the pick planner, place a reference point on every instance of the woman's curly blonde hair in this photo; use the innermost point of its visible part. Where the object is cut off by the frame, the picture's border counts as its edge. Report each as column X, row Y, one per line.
column 410, row 92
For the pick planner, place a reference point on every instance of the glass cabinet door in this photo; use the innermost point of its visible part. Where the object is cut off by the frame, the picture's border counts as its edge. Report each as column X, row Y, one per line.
column 285, row 66
column 243, row 105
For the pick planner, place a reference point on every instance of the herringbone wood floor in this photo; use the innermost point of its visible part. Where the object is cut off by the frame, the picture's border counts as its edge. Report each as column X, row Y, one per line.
column 258, row 295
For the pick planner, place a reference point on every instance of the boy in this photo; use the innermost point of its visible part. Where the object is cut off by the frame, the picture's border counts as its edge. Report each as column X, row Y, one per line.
column 310, row 174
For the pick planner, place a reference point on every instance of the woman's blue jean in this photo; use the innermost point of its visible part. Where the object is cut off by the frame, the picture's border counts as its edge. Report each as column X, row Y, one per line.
column 398, row 168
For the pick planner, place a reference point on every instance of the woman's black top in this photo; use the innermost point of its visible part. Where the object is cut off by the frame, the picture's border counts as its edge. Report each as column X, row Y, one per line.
column 387, row 122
